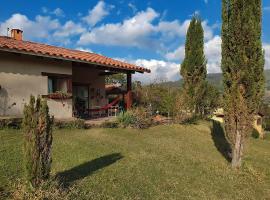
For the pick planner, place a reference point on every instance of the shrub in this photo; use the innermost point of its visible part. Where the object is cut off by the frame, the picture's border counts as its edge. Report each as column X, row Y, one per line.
column 142, row 119
column 109, row 124
column 193, row 119
column 125, row 119
column 77, row 124
column 266, row 124
column 14, row 123
column 37, row 127
column 255, row 134
column 182, row 114
column 74, row 124
column 159, row 97
column 135, row 118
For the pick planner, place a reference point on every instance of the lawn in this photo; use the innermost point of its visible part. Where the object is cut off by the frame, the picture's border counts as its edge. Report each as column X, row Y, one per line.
column 163, row 162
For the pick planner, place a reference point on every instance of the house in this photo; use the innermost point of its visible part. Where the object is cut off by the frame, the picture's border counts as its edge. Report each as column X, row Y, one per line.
column 70, row 80
column 257, row 124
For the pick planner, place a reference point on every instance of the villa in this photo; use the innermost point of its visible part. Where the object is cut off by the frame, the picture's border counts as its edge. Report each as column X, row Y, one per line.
column 72, row 81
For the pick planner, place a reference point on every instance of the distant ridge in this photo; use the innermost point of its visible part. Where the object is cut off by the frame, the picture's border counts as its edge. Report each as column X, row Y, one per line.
column 216, row 80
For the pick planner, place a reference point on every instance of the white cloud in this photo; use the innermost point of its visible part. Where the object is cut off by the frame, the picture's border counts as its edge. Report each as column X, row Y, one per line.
column 69, row 29
column 131, row 32
column 177, row 54
column 173, row 28
column 212, row 50
column 208, row 30
column 58, row 12
column 133, row 7
column 141, row 31
column 160, row 70
column 84, row 49
column 39, row 28
column 97, row 14
column 267, row 55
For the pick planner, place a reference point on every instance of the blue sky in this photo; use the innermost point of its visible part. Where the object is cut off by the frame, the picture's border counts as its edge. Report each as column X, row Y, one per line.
column 147, row 33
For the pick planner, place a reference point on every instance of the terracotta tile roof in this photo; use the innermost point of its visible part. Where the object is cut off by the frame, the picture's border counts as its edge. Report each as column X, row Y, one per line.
column 10, row 44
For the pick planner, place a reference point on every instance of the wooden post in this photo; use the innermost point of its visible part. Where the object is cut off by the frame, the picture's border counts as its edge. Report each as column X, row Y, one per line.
column 129, row 91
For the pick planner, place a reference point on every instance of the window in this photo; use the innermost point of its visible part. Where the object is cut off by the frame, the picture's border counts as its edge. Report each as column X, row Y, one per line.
column 56, row 84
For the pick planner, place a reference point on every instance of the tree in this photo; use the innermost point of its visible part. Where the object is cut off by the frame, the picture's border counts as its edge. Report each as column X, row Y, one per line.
column 161, row 98
column 116, row 78
column 211, row 99
column 193, row 68
column 242, row 66
column 37, row 127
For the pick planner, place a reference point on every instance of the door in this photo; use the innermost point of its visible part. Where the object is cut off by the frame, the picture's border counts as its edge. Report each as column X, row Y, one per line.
column 80, row 100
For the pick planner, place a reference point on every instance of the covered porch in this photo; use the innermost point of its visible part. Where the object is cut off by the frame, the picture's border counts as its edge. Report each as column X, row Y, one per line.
column 90, row 99
column 86, row 89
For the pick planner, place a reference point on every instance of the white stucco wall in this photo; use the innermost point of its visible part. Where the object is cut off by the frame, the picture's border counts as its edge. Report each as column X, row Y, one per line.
column 20, row 76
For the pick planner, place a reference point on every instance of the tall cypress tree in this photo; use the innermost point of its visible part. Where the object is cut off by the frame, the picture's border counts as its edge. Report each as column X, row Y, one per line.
column 37, row 126
column 242, row 66
column 193, row 69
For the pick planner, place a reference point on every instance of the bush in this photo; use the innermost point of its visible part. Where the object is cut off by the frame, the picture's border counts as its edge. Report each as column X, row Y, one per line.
column 255, row 134
column 136, row 118
column 182, row 114
column 266, row 124
column 78, row 124
column 74, row 124
column 125, row 119
column 159, row 97
column 142, row 119
column 191, row 120
column 14, row 123
column 109, row 124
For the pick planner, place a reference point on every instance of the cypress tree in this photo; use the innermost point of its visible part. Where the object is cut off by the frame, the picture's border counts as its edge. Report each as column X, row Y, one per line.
column 37, row 127
column 193, row 69
column 242, row 66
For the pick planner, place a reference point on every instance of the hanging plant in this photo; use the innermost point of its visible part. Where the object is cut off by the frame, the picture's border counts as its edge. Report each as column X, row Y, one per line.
column 59, row 95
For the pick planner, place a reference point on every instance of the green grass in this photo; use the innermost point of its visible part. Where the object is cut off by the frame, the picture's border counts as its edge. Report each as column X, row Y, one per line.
column 163, row 162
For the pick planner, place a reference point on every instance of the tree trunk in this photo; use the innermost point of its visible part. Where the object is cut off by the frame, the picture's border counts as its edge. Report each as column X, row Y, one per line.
column 237, row 151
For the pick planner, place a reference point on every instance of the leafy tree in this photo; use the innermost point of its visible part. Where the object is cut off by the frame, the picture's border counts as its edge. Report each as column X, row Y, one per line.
column 211, row 99
column 116, row 78
column 161, row 98
column 37, row 126
column 193, row 68
column 242, row 66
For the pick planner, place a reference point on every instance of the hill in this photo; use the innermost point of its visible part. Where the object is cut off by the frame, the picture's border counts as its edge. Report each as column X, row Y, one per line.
column 216, row 80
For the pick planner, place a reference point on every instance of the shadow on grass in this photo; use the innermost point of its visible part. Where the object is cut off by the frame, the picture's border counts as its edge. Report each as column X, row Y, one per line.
column 221, row 143
column 67, row 177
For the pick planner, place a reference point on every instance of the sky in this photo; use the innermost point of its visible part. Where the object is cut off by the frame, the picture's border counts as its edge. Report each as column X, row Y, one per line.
column 148, row 33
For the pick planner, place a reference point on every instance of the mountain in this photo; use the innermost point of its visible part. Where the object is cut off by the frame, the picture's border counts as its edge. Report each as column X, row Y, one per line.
column 216, row 80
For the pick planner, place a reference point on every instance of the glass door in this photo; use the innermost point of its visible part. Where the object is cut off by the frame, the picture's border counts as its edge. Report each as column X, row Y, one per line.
column 80, row 100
